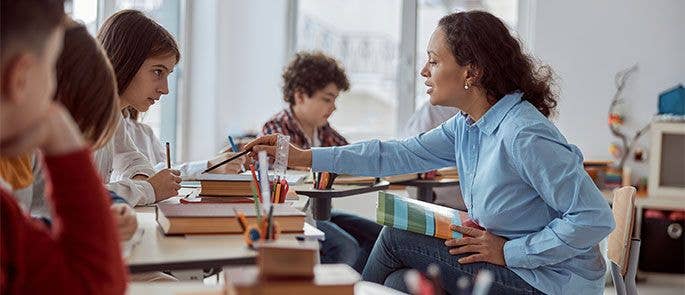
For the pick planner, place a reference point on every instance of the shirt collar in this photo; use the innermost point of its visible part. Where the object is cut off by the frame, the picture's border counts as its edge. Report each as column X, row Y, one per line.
column 494, row 116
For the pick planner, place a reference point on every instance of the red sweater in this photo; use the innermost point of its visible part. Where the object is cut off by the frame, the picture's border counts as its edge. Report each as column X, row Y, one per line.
column 80, row 254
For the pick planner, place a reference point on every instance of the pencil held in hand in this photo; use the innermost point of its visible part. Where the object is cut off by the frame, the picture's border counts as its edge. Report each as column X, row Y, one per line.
column 236, row 156
column 168, row 157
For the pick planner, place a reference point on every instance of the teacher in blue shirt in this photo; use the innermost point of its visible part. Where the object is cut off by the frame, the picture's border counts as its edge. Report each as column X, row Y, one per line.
column 521, row 180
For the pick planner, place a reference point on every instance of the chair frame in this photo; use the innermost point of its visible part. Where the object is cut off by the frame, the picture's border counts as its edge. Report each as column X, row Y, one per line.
column 624, row 249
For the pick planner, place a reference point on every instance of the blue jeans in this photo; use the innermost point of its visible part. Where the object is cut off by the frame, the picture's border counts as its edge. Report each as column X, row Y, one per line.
column 349, row 239
column 396, row 251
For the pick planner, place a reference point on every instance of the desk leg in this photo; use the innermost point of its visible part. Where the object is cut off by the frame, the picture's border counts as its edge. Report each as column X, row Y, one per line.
column 321, row 208
column 425, row 193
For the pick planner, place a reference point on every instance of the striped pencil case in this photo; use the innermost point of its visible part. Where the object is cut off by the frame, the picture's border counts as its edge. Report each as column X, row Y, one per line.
column 417, row 216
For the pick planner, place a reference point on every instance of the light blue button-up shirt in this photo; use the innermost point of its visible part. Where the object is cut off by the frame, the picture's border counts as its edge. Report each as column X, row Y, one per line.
column 520, row 179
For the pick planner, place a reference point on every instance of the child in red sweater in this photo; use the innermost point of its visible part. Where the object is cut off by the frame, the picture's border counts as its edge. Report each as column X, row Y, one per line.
column 80, row 254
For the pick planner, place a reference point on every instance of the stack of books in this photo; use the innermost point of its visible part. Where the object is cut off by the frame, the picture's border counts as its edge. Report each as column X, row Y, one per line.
column 175, row 218
column 354, row 180
column 401, row 177
column 601, row 174
column 232, row 185
column 227, row 185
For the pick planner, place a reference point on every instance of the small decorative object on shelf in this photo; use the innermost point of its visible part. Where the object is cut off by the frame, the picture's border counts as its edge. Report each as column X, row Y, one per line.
column 597, row 170
column 616, row 119
column 642, row 187
column 672, row 101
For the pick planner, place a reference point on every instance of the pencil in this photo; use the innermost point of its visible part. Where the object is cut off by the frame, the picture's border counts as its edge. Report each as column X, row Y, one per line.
column 168, row 156
column 234, row 147
column 269, row 224
column 241, row 219
column 256, row 182
column 238, row 155
column 277, row 193
column 284, row 190
column 331, row 180
column 257, row 200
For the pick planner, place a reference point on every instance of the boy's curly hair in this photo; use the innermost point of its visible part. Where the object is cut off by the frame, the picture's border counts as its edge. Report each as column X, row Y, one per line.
column 310, row 72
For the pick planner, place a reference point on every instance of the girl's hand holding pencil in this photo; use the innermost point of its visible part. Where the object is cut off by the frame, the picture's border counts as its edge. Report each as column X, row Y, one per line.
column 165, row 183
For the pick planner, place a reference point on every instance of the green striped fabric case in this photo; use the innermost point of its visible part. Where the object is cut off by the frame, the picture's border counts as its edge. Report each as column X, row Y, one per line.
column 417, row 216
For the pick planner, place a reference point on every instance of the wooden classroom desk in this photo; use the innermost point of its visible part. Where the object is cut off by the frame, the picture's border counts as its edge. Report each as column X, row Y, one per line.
column 198, row 288
column 178, row 288
column 157, row 252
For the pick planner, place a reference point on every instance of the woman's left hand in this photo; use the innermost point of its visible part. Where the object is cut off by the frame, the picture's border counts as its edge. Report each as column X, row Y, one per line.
column 483, row 246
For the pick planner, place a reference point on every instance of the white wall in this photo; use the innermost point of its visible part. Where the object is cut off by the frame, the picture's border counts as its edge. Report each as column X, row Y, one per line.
column 587, row 42
column 252, row 49
column 237, row 51
column 199, row 106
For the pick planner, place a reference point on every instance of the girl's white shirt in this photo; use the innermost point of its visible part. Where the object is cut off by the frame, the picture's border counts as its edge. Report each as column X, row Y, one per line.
column 149, row 144
column 118, row 161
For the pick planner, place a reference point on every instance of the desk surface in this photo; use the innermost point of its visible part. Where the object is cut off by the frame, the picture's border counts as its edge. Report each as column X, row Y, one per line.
column 195, row 288
column 198, row 288
column 155, row 251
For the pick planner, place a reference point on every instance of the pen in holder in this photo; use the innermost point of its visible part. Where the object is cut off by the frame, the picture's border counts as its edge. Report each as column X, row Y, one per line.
column 321, row 206
column 279, row 190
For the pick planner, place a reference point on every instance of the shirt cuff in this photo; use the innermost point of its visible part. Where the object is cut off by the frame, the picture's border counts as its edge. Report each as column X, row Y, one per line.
column 138, row 169
column 514, row 254
column 193, row 168
column 322, row 159
column 148, row 193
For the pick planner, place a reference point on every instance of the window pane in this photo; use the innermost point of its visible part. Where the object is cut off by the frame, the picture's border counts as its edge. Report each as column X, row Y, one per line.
column 142, row 5
column 162, row 116
column 83, row 11
column 364, row 36
column 430, row 12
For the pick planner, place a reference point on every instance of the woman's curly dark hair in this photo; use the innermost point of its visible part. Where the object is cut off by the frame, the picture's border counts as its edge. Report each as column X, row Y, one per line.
column 481, row 40
column 310, row 72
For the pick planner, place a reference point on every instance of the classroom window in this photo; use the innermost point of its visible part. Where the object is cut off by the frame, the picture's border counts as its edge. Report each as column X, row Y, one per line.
column 83, row 11
column 429, row 13
column 364, row 36
column 161, row 117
